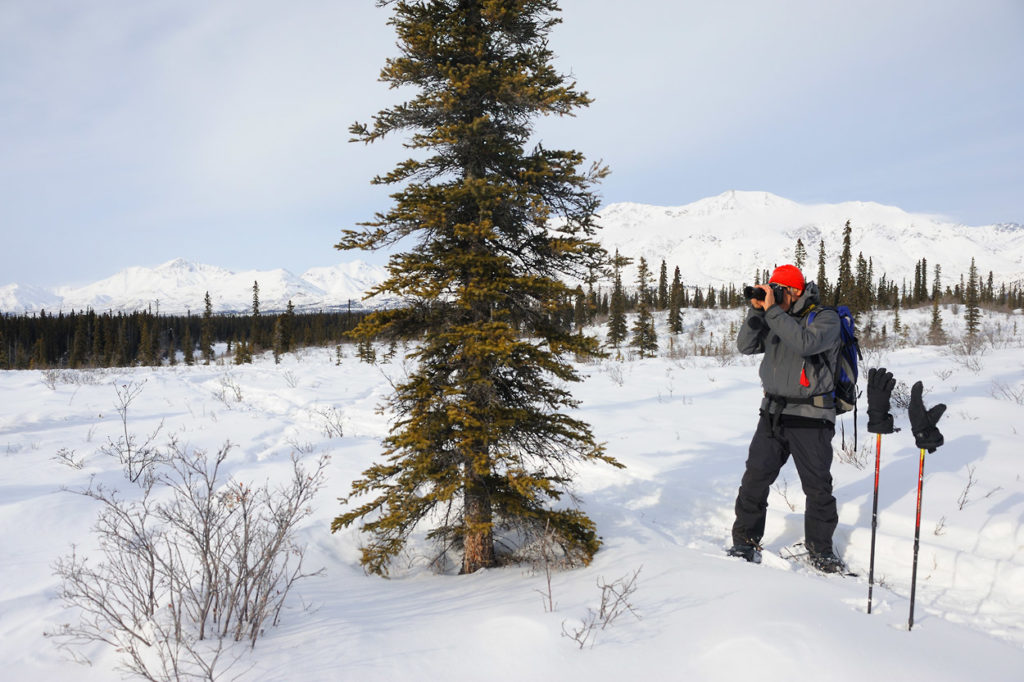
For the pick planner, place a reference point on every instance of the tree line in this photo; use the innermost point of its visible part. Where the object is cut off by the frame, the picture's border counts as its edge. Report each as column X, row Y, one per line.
column 84, row 339
column 87, row 339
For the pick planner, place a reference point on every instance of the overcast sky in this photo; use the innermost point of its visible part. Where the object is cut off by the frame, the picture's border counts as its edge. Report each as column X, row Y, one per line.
column 133, row 132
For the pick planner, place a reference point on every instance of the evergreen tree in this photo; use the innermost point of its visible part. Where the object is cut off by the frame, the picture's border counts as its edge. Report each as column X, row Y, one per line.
column 663, row 286
column 365, row 351
column 643, row 278
column 119, row 355
column 482, row 440
column 98, row 339
column 277, row 342
column 936, row 334
column 861, row 299
column 187, row 345
column 146, row 355
column 288, row 328
column 617, row 329
column 240, row 352
column 80, row 342
column 698, row 298
column 254, row 334
column 5, row 356
column 799, row 254
column 206, row 330
column 38, row 360
column 579, row 310
column 822, row 278
column 845, row 283
column 645, row 338
column 924, row 280
column 675, row 311
column 972, row 308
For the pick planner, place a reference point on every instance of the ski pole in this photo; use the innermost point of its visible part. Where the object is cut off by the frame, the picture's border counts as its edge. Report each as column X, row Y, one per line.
column 917, row 540
column 874, row 520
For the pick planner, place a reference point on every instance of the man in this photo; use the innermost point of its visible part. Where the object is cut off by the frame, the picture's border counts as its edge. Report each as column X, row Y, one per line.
column 797, row 414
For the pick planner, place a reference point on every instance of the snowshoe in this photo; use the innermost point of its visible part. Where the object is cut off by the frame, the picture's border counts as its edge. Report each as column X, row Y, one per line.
column 750, row 553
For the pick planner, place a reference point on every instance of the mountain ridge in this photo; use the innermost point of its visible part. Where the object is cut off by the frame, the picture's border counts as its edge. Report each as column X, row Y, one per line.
column 714, row 241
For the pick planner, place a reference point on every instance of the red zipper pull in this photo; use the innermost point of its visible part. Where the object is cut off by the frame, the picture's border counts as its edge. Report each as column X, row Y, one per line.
column 804, row 381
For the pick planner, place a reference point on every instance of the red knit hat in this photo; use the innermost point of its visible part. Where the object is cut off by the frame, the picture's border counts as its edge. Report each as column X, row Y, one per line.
column 788, row 276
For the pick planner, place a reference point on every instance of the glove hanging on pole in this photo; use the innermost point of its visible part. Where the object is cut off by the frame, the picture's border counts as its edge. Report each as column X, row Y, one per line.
column 880, row 385
column 923, row 421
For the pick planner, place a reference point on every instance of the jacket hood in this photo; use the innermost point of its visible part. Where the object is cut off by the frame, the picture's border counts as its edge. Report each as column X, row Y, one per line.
column 809, row 297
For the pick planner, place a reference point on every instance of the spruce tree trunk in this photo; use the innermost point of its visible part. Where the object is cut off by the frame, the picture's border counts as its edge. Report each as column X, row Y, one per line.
column 478, row 551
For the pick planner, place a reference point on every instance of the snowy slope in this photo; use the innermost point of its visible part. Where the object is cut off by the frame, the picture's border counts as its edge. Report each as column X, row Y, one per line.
column 179, row 286
column 729, row 237
column 18, row 298
column 680, row 424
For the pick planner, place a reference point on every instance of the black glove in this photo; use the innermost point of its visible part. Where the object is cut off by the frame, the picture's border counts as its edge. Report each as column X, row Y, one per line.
column 922, row 422
column 880, row 385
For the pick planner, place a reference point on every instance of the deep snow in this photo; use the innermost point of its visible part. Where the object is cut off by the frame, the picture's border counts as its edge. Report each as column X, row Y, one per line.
column 681, row 425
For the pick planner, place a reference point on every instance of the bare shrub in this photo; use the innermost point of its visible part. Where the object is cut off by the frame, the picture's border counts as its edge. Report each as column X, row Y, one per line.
column 198, row 563
column 138, row 459
column 229, row 389
column 1004, row 391
column 545, row 556
column 615, row 373
column 615, row 601
column 964, row 496
column 331, row 421
column 967, row 352
column 901, row 395
column 50, row 377
column 783, row 490
column 67, row 456
column 857, row 458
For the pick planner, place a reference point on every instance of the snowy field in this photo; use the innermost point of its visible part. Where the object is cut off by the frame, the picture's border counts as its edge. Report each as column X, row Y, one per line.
column 680, row 423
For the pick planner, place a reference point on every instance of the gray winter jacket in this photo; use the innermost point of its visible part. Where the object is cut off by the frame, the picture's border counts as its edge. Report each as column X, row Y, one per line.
column 800, row 358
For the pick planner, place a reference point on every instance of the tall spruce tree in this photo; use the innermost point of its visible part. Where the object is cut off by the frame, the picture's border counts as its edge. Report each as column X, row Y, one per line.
column 206, row 330
column 254, row 334
column 187, row 345
column 663, row 286
column 972, row 299
column 481, row 444
column 645, row 338
column 675, row 310
column 799, row 254
column 845, row 283
column 618, row 330
column 936, row 334
column 822, row 277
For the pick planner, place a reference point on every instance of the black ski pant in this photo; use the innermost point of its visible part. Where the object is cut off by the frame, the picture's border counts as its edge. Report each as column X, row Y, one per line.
column 810, row 443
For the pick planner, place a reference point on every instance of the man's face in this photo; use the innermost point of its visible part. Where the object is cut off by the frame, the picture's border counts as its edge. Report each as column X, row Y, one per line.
column 789, row 297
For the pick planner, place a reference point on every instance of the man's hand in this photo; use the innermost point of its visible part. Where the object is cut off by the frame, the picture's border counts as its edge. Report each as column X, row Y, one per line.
column 769, row 297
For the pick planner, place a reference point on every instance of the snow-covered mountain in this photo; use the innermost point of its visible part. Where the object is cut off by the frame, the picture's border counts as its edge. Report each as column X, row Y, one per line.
column 717, row 240
column 179, row 286
column 729, row 237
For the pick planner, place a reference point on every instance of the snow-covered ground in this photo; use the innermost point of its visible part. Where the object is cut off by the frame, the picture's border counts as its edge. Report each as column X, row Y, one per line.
column 681, row 426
